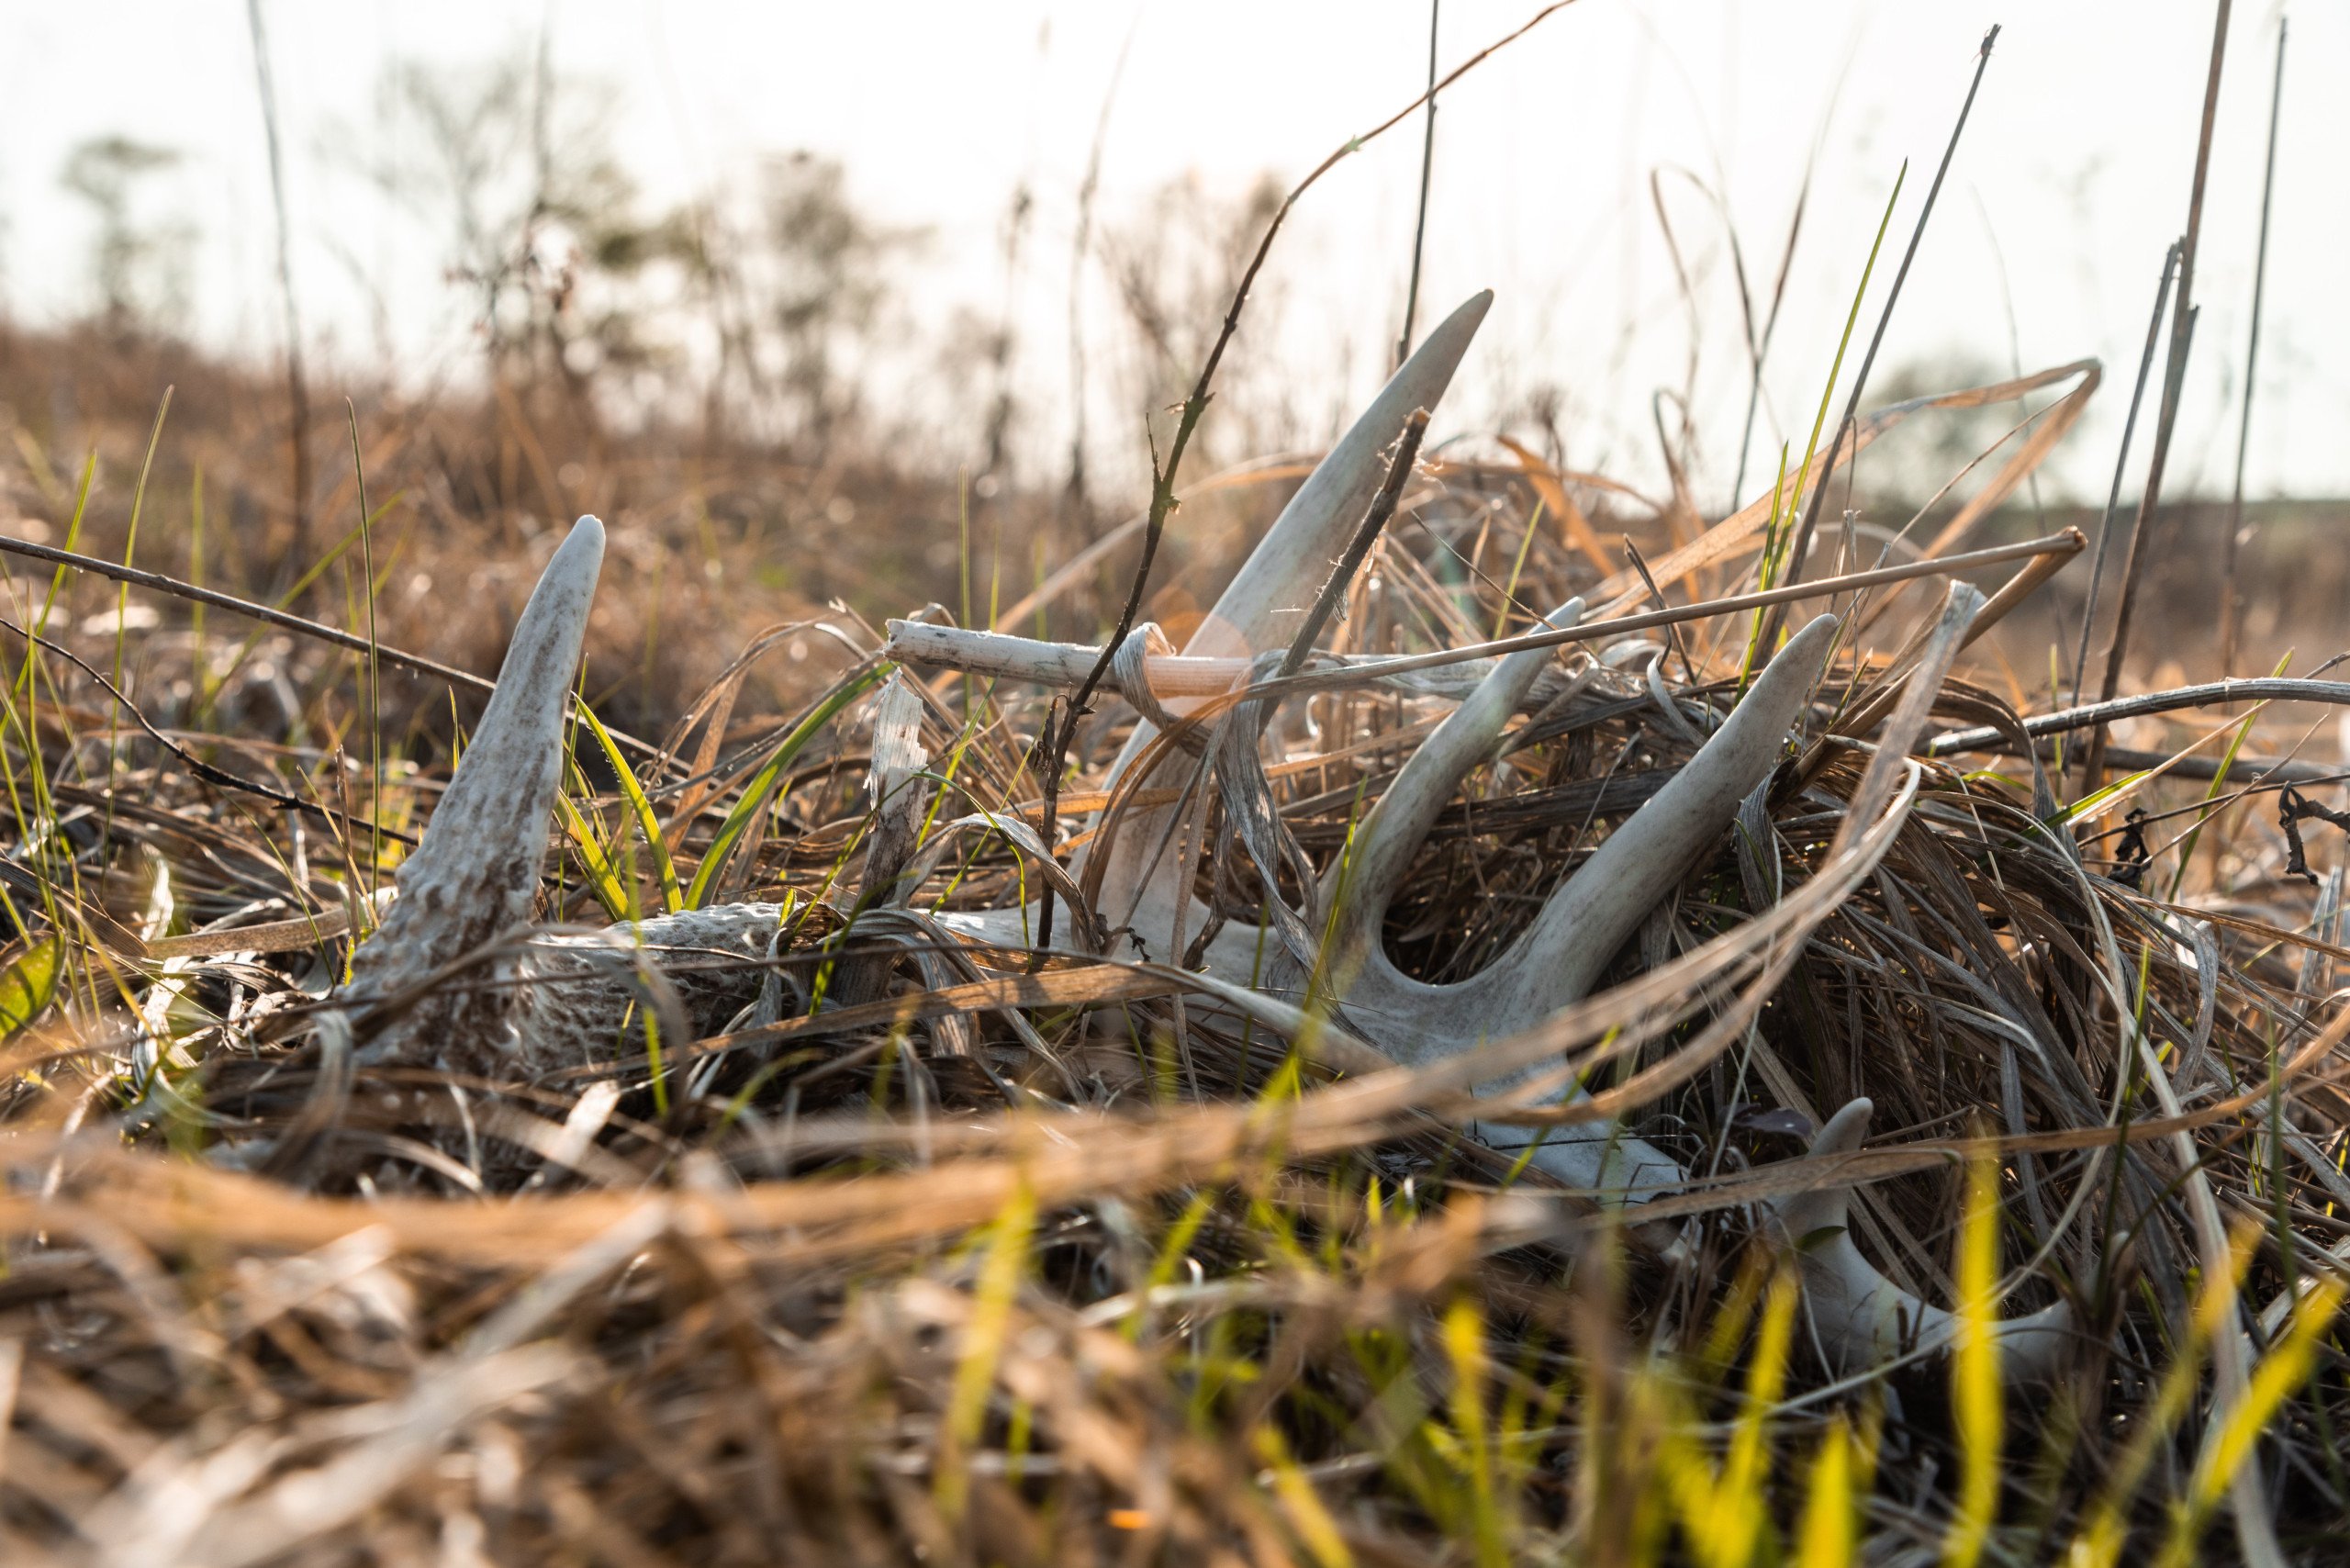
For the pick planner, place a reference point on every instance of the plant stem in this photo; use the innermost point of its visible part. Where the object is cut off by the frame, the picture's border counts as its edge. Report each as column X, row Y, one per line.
column 298, row 392
column 2182, row 338
column 1420, row 226
column 1877, row 340
column 2121, row 461
column 2230, row 597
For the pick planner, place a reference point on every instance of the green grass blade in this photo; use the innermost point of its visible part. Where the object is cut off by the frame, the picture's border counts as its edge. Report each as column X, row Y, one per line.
column 753, row 799
column 603, row 881
column 1827, row 396
column 648, row 826
column 1974, row 1371
column 57, row 578
column 1464, row 1346
column 1826, row 1538
column 2090, row 805
column 29, row 985
column 981, row 1351
column 2279, row 1377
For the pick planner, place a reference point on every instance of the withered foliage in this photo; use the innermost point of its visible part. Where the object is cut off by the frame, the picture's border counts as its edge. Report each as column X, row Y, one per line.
column 1061, row 1265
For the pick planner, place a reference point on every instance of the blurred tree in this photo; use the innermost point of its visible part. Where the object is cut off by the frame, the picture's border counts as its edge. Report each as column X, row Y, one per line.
column 815, row 276
column 1175, row 262
column 543, row 223
column 757, row 301
column 138, row 265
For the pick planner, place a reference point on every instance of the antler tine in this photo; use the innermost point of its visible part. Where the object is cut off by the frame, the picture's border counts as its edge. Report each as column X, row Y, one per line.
column 1259, row 609
column 1554, row 963
column 476, row 875
column 1143, row 885
column 1587, row 919
column 1864, row 1319
column 1399, row 822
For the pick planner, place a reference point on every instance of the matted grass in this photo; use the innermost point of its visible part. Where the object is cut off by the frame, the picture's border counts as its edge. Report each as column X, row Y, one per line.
column 1133, row 1281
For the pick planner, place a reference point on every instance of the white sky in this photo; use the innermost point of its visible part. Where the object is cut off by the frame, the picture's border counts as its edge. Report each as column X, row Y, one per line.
column 2072, row 179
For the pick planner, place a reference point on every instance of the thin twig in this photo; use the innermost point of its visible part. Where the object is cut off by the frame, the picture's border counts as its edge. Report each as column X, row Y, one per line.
column 196, row 764
column 1420, row 225
column 1802, row 548
column 164, row 583
column 1063, row 664
column 2121, row 461
column 2230, row 597
column 2182, row 338
column 2207, row 694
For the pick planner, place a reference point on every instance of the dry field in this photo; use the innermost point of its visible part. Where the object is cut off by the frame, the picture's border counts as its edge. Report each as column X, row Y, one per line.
column 707, row 1157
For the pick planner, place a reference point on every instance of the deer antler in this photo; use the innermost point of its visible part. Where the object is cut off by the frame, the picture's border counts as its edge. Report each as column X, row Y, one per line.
column 1554, row 961
column 469, row 886
column 475, row 877
column 1864, row 1319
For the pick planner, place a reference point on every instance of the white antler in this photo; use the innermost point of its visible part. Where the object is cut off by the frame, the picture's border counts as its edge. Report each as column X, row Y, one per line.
column 1145, row 883
column 472, row 882
column 1554, row 961
column 1862, row 1318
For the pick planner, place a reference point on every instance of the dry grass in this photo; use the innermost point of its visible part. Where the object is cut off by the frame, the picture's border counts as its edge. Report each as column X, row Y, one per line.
column 1135, row 1283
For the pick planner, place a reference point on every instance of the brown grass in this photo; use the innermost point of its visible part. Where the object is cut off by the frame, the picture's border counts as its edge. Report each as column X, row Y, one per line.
column 897, row 1285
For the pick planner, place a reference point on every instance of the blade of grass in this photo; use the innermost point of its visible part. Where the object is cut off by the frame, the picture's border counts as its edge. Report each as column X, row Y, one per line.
column 2231, row 611
column 375, row 643
column 603, row 881
column 200, row 666
column 130, row 544
column 2279, row 1375
column 1315, row 1529
column 2106, row 1529
column 1746, row 1469
column 982, row 1348
column 1976, row 1406
column 648, row 825
column 1893, row 296
column 1766, row 628
column 57, row 578
column 753, row 798
column 29, row 984
column 1827, row 1537
column 2120, row 464
column 122, row 599
column 2211, row 793
column 1516, row 569
column 1464, row 1346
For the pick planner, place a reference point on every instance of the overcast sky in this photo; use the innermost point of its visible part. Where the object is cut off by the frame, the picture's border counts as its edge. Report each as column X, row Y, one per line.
column 2072, row 179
